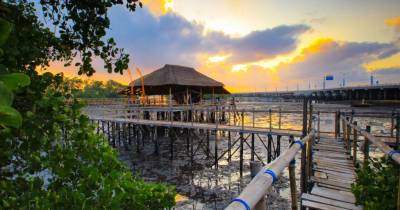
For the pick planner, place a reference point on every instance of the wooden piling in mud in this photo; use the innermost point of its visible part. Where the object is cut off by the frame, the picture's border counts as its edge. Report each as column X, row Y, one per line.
column 348, row 134
column 241, row 155
column 216, row 150
column 366, row 147
column 292, row 179
column 171, row 144
column 269, row 150
column 355, row 138
column 337, row 124
column 229, row 146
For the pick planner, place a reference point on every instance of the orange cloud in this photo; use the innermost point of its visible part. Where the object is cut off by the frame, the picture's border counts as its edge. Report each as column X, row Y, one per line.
column 315, row 47
column 393, row 21
column 386, row 63
column 159, row 7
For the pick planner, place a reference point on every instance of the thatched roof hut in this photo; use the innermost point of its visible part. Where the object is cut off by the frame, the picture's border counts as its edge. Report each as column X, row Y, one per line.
column 180, row 80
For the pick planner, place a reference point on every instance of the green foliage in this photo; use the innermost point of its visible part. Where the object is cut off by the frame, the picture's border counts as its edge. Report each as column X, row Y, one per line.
column 82, row 25
column 95, row 89
column 376, row 186
column 9, row 117
column 50, row 155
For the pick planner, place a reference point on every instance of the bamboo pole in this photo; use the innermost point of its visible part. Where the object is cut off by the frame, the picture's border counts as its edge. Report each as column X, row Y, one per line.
column 259, row 186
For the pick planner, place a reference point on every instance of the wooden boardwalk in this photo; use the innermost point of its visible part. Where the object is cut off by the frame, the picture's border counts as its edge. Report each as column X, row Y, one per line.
column 333, row 173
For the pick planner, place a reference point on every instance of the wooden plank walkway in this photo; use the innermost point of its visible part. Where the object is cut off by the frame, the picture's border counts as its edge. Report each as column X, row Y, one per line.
column 333, row 174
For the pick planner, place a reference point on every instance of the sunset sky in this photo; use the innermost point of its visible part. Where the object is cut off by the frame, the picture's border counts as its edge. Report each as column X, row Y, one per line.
column 262, row 45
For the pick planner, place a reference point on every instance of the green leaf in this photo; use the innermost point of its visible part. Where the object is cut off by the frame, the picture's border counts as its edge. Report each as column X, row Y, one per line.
column 15, row 80
column 5, row 29
column 6, row 96
column 10, row 117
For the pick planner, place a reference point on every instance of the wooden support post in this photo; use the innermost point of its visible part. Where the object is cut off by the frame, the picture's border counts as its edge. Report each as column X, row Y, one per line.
column 241, row 155
column 292, row 180
column 125, row 137
column 269, row 149
column 102, row 127
column 337, row 124
column 191, row 146
column 137, row 139
column 119, row 133
column 309, row 160
column 187, row 142
column 270, row 120
column 344, row 133
column 366, row 147
column 355, row 138
column 242, row 120
column 113, row 134
column 310, row 116
column 155, row 139
column 397, row 131
column 392, row 126
column 252, row 148
column 252, row 139
column 229, row 146
column 98, row 127
column 305, row 103
column 208, row 143
column 216, row 149
column 319, row 126
column 278, row 146
column 108, row 132
column 171, row 144
column 303, row 169
column 129, row 134
column 280, row 118
column 348, row 133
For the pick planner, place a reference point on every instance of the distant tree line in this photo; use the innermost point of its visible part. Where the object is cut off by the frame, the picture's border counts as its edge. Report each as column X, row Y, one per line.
column 94, row 88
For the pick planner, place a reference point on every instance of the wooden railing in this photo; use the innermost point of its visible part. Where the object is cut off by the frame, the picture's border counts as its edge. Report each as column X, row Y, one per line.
column 350, row 136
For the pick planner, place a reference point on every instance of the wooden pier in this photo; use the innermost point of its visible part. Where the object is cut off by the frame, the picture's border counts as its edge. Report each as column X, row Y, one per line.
column 328, row 158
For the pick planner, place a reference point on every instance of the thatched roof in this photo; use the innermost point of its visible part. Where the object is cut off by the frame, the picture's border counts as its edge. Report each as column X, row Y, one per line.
column 177, row 78
column 177, row 75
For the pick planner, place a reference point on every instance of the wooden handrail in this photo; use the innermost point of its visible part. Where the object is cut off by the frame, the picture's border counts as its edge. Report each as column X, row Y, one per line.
column 376, row 141
column 259, row 185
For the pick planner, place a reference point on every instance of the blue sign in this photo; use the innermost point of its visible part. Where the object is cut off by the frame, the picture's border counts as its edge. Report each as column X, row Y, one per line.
column 329, row 77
